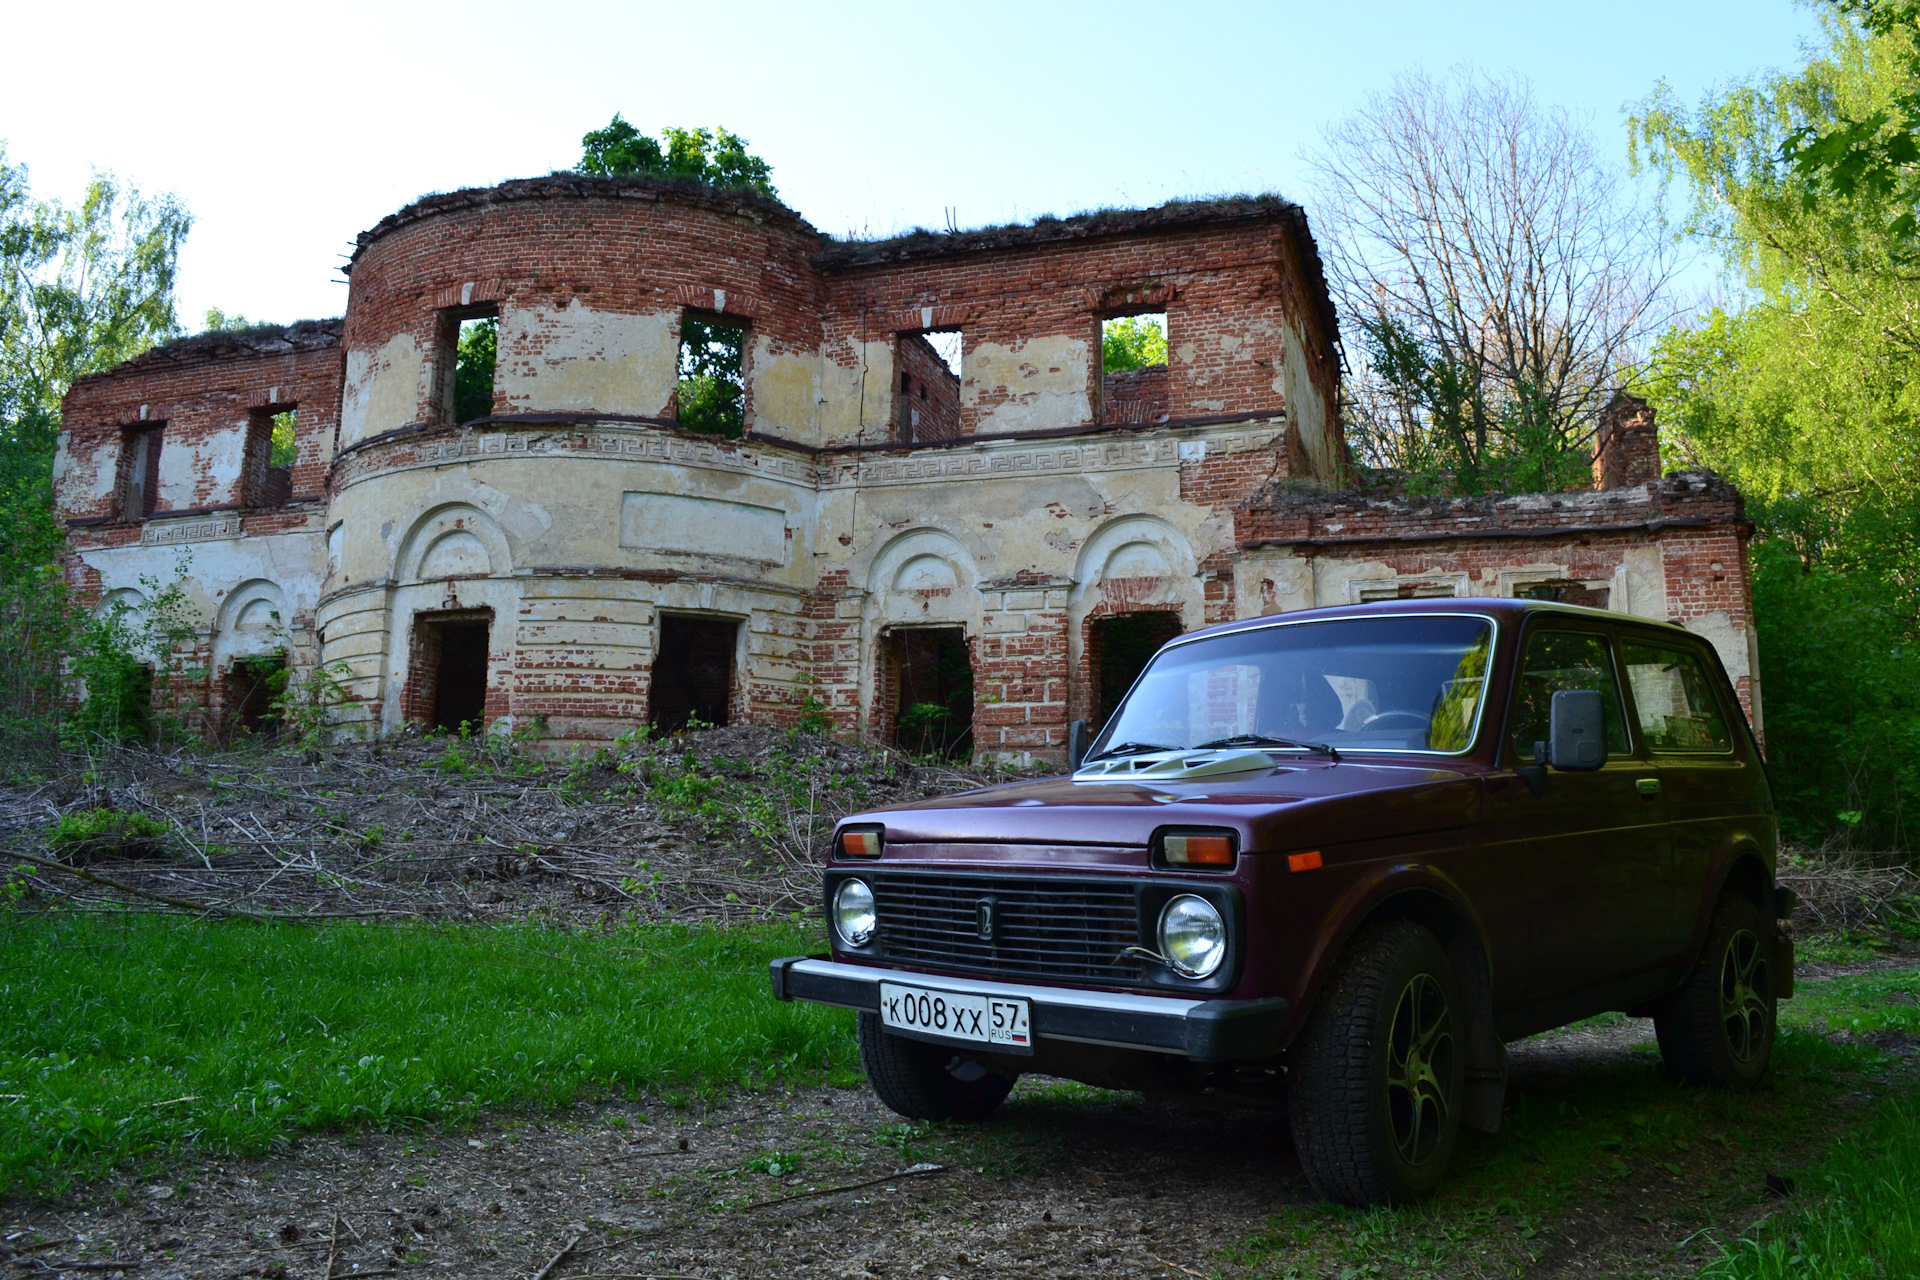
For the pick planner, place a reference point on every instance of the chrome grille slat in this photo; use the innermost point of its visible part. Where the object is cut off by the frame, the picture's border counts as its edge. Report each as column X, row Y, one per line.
column 1066, row 929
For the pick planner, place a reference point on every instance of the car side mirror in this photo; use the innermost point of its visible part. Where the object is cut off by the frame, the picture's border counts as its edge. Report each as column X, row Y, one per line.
column 1577, row 731
column 1076, row 743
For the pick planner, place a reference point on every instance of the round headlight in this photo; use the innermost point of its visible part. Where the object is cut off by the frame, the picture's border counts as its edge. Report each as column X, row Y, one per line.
column 853, row 917
column 1193, row 936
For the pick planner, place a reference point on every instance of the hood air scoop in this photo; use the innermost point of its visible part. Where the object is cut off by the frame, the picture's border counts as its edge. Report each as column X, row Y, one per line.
column 1174, row 766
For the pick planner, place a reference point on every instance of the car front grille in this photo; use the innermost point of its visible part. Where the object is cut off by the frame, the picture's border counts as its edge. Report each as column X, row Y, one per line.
column 1052, row 928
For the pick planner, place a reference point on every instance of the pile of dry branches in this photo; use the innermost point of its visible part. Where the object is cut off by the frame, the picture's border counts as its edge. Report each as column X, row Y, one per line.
column 727, row 824
column 1843, row 889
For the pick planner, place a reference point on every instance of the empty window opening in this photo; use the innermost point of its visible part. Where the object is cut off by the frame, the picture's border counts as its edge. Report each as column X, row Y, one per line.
column 712, row 395
column 448, row 680
column 1118, row 648
column 933, row 685
column 693, row 674
column 139, row 472
column 253, row 688
column 1566, row 591
column 1133, row 366
column 1374, row 593
column 266, row 470
column 475, row 354
column 927, row 403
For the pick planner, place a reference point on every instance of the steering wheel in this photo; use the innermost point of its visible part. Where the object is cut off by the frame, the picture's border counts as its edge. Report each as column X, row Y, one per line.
column 1411, row 719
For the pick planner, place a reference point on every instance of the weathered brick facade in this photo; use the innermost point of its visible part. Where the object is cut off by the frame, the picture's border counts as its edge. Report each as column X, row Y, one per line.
column 873, row 491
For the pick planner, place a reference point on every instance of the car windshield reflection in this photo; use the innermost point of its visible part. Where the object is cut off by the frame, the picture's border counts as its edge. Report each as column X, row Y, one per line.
column 1409, row 683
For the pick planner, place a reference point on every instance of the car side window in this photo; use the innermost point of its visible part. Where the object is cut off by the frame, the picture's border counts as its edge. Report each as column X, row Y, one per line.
column 1553, row 661
column 1673, row 699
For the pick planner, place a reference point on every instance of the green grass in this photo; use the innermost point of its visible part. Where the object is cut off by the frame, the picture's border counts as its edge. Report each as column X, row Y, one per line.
column 1609, row 1136
column 125, row 1036
column 1863, row 1216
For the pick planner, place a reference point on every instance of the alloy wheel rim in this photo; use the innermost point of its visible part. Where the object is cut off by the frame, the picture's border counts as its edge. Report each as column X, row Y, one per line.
column 1420, row 1049
column 1744, row 987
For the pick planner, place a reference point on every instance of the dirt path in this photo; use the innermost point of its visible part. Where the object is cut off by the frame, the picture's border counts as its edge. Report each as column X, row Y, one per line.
column 1068, row 1182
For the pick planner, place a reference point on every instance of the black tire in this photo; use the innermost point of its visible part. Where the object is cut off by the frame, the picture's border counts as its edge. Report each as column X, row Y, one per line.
column 1376, row 1081
column 923, row 1081
column 1718, row 1028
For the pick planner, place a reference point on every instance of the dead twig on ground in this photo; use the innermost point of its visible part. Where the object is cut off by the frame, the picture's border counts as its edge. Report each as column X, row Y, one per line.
column 917, row 1171
column 554, row 1262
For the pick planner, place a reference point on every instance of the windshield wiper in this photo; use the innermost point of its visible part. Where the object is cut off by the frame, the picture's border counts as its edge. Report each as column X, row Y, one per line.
column 1129, row 749
column 1267, row 740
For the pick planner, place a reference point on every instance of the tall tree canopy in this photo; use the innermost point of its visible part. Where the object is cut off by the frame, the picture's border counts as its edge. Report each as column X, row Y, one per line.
column 1808, row 397
column 82, row 288
column 1501, row 277
column 716, row 157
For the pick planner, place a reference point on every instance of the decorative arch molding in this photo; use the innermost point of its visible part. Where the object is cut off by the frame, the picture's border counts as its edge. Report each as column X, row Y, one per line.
column 130, row 598
column 923, row 575
column 455, row 540
column 254, row 618
column 1137, row 549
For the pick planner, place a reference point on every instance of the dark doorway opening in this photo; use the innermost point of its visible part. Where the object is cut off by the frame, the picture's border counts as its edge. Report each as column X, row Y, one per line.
column 933, row 682
column 448, row 685
column 252, row 685
column 1117, row 651
column 693, row 674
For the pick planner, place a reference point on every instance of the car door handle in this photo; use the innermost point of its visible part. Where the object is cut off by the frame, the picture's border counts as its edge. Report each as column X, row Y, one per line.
column 1647, row 786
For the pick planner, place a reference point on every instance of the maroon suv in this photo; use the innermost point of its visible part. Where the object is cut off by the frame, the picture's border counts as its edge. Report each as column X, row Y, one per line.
column 1333, row 861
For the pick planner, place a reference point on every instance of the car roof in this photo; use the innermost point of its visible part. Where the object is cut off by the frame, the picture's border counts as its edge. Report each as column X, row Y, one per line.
column 1500, row 607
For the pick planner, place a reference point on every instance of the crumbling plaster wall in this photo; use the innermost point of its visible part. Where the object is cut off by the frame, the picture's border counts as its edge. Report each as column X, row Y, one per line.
column 1672, row 549
column 579, row 517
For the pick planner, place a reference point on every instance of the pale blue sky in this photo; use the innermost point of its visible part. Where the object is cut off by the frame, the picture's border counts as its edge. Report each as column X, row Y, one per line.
column 287, row 128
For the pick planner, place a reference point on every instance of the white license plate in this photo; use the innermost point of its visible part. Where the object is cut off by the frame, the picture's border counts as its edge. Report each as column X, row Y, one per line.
column 991, row 1020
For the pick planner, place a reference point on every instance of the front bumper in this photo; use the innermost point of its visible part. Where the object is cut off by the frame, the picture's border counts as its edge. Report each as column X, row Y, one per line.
column 1202, row 1030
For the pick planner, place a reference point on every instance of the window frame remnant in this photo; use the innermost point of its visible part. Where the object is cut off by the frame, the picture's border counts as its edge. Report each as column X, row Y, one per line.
column 724, row 420
column 266, row 468
column 137, row 485
column 446, row 361
column 917, row 417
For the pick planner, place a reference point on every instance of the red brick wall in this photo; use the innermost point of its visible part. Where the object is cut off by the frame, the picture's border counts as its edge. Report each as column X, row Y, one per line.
column 934, row 399
column 1135, row 395
column 206, row 387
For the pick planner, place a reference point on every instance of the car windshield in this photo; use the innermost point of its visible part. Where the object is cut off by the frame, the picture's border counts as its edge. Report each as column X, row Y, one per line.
column 1410, row 683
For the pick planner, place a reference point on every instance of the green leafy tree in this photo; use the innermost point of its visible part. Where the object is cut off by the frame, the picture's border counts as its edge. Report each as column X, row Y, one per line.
column 1868, row 150
column 82, row 288
column 1808, row 397
column 473, row 369
column 716, row 157
column 713, row 387
column 1132, row 342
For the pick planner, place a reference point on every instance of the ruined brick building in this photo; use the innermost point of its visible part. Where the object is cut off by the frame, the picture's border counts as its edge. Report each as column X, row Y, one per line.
column 1003, row 542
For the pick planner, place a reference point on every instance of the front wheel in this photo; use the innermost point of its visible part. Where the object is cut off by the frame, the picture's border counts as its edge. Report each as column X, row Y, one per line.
column 924, row 1081
column 1374, row 1084
column 1717, row 1029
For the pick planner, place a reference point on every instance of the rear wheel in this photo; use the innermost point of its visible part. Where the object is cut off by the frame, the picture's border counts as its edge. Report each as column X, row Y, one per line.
column 1717, row 1029
column 1374, row 1084
column 923, row 1081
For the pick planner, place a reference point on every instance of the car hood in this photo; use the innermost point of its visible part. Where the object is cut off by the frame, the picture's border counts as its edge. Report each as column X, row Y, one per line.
column 1296, row 805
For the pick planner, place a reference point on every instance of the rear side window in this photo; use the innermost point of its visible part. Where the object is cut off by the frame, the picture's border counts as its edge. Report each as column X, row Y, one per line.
column 1551, row 662
column 1673, row 698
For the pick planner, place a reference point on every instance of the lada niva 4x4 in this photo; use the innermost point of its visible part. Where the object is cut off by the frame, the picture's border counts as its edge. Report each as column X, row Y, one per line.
column 1333, row 861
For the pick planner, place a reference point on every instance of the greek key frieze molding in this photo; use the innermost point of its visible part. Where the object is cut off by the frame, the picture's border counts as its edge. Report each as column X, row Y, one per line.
column 614, row 446
column 983, row 460
column 168, row 533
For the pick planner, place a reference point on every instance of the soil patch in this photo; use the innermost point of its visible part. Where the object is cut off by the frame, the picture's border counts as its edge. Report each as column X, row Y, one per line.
column 824, row 1182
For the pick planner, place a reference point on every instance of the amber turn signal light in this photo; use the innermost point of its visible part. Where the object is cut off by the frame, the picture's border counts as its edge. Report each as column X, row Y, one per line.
column 860, row 842
column 1195, row 849
column 1304, row 861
